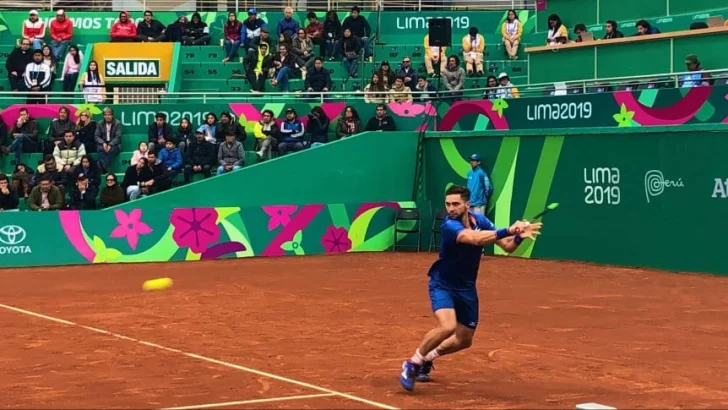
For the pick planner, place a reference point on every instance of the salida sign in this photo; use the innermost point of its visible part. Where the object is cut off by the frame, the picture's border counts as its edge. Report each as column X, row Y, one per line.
column 147, row 69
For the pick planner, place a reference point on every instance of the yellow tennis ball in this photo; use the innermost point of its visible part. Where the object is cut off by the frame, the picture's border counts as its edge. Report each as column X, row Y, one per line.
column 157, row 284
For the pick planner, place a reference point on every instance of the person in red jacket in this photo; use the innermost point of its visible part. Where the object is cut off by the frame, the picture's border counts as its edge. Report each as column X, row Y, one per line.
column 61, row 33
column 123, row 30
column 34, row 30
column 232, row 37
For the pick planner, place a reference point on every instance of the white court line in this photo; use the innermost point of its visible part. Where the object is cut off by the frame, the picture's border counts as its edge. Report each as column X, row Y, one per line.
column 237, row 403
column 203, row 358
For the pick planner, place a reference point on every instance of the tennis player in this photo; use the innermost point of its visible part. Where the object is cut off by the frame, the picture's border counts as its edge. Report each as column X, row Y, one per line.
column 453, row 294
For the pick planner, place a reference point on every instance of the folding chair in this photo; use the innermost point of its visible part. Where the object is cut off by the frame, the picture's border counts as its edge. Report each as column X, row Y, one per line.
column 440, row 216
column 407, row 214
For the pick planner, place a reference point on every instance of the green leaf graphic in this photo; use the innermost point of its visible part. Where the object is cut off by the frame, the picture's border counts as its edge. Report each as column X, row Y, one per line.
column 287, row 246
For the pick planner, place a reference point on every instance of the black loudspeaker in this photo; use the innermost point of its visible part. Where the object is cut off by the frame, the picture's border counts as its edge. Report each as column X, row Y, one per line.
column 440, row 32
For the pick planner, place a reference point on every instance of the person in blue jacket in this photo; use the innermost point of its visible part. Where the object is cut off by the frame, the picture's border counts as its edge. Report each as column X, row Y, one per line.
column 171, row 158
column 479, row 186
column 251, row 29
column 288, row 25
column 291, row 133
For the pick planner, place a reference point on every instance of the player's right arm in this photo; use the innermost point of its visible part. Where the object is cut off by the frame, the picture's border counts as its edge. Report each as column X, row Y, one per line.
column 487, row 237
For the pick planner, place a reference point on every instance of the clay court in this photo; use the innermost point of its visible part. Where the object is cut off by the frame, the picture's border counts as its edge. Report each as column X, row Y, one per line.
column 332, row 331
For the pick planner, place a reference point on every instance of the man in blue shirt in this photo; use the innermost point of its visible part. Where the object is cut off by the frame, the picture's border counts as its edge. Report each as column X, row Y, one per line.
column 453, row 294
column 479, row 186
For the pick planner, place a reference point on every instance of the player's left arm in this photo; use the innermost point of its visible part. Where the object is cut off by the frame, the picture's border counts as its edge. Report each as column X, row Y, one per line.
column 528, row 230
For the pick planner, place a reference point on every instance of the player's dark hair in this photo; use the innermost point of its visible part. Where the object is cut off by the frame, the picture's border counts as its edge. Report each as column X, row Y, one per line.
column 464, row 192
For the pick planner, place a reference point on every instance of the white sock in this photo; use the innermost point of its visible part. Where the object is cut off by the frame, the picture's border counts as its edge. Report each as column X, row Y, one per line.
column 417, row 358
column 432, row 355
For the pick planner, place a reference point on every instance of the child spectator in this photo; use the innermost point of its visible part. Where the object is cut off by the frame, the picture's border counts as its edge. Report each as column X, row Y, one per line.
column 139, row 153
column 171, row 158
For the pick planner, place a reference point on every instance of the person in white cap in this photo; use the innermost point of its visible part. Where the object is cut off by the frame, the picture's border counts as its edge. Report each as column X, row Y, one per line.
column 506, row 89
column 61, row 29
column 34, row 30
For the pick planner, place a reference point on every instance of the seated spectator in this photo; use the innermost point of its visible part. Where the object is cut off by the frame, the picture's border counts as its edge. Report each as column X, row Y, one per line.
column 45, row 196
column 209, row 128
column 227, row 125
column 291, row 133
column 199, row 157
column 34, row 30
column 318, row 126
column 512, row 31
column 90, row 170
column 111, row 194
column 8, row 195
column 24, row 135
column 22, row 176
column 266, row 135
column 360, row 29
column 491, row 92
column 38, row 77
column 108, row 139
column 434, row 57
column 58, row 129
column 287, row 25
column 318, row 80
column 506, row 89
column 315, row 31
column 303, row 49
column 558, row 34
column 83, row 195
column 140, row 153
column 160, row 178
column 579, row 29
column 381, row 121
column 644, row 28
column 53, row 170
column 401, row 93
column 232, row 32
column 473, row 50
column 150, row 30
column 332, row 34
column 69, row 152
column 176, row 30
column 286, row 40
column 454, row 77
column 16, row 63
column 257, row 66
column 196, row 32
column 611, row 29
column 252, row 31
column 4, row 150
column 349, row 124
column 85, row 130
column 263, row 38
column 409, row 74
column 697, row 76
column 424, row 90
column 71, row 68
column 286, row 69
column 185, row 134
column 171, row 158
column 61, row 30
column 159, row 132
column 50, row 60
column 379, row 89
column 349, row 48
column 230, row 155
column 92, row 84
column 134, row 177
column 124, row 30
column 386, row 75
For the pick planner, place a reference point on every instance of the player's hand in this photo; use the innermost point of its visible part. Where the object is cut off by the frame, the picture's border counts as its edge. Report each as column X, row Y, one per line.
column 517, row 227
column 531, row 231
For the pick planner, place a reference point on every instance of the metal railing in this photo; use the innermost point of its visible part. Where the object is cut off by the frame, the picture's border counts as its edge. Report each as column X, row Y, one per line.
column 242, row 5
column 718, row 77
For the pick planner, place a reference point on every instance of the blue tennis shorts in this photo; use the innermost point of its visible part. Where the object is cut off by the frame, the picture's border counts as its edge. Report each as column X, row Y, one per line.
column 464, row 301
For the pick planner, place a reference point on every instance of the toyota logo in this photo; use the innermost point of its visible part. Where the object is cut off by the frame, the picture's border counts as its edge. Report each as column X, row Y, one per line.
column 12, row 234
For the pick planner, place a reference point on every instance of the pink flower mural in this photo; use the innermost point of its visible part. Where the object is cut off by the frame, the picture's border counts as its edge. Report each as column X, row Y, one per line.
column 279, row 215
column 130, row 226
column 195, row 228
column 336, row 240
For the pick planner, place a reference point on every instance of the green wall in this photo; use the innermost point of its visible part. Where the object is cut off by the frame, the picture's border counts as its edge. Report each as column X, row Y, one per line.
column 605, row 60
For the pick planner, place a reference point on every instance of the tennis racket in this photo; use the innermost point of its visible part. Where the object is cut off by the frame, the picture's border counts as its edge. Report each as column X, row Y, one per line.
column 548, row 209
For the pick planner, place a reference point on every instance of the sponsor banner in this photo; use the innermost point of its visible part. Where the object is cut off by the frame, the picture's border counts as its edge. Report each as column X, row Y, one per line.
column 127, row 62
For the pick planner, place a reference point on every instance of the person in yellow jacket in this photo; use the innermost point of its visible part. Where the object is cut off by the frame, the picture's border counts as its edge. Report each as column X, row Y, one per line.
column 512, row 30
column 558, row 33
column 473, row 49
column 434, row 56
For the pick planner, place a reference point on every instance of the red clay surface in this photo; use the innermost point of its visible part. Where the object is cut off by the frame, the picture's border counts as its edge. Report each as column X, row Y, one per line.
column 551, row 335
